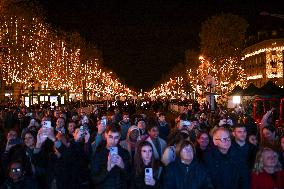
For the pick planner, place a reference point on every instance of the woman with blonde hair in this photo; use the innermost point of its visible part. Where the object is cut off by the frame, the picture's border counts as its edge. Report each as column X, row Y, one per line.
column 267, row 173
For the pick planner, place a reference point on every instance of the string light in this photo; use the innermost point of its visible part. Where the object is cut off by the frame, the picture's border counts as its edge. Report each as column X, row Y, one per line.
column 227, row 75
column 34, row 54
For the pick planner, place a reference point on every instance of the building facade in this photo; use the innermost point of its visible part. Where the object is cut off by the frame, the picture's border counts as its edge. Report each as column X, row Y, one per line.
column 263, row 61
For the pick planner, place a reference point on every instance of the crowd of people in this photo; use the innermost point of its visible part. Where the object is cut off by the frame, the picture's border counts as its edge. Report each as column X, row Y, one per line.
column 199, row 149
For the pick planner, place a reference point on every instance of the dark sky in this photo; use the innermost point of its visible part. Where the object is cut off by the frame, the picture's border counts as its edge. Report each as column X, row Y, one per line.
column 141, row 40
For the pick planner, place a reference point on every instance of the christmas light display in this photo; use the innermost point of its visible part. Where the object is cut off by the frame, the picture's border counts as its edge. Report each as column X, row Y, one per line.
column 174, row 88
column 227, row 75
column 34, row 54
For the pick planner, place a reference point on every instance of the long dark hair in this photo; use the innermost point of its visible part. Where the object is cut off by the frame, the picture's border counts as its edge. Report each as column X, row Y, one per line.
column 138, row 161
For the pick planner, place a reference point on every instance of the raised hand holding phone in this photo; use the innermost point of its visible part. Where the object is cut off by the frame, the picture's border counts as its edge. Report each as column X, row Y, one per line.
column 110, row 164
column 149, row 180
column 41, row 137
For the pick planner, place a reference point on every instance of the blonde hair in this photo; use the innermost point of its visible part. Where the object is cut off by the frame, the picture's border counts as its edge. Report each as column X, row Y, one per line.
column 259, row 166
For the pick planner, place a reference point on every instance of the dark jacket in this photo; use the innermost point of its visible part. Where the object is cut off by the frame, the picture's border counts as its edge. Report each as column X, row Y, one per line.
column 244, row 156
column 50, row 169
column 76, row 161
column 181, row 176
column 223, row 171
column 116, row 178
column 138, row 181
column 24, row 183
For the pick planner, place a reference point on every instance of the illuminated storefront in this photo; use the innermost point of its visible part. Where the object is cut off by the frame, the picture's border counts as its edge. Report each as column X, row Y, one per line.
column 264, row 61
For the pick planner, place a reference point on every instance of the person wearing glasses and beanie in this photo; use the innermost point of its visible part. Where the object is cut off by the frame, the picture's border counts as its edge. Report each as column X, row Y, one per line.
column 223, row 170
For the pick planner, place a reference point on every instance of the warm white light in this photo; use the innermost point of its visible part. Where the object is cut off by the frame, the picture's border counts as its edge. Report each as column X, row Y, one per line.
column 254, row 77
column 236, row 99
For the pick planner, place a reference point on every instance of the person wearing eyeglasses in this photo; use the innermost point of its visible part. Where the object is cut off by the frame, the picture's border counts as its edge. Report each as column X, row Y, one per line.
column 224, row 171
column 17, row 179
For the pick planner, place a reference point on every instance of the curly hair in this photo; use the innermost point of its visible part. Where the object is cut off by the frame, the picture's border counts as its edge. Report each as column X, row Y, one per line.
column 259, row 166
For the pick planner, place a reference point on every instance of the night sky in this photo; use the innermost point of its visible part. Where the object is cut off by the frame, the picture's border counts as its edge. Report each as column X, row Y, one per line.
column 142, row 40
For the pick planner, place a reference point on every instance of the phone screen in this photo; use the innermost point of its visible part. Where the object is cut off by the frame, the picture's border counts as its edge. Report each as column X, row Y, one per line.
column 113, row 151
column 104, row 122
column 46, row 124
column 149, row 172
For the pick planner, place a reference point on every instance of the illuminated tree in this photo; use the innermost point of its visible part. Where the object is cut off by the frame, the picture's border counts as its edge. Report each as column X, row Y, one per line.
column 36, row 53
column 227, row 76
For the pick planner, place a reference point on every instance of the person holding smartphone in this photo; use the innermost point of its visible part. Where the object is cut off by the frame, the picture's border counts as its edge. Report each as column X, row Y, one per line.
column 146, row 173
column 110, row 166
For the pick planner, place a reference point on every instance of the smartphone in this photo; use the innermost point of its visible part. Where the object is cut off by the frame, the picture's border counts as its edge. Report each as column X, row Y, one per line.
column 113, row 150
column 104, row 122
column 82, row 130
column 46, row 124
column 149, row 172
column 15, row 141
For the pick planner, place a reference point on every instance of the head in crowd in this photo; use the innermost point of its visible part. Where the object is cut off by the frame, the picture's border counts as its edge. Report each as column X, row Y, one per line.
column 252, row 138
column 125, row 117
column 203, row 117
column 222, row 139
column 180, row 135
column 33, row 123
column 112, row 135
column 84, row 120
column 74, row 117
column 30, row 139
column 161, row 117
column 240, row 133
column 12, row 134
column 267, row 159
column 63, row 114
column 133, row 135
column 141, row 124
column 202, row 140
column 56, row 114
column 60, row 124
column 185, row 151
column 16, row 171
column 153, row 130
column 268, row 133
column 71, row 127
column 143, row 157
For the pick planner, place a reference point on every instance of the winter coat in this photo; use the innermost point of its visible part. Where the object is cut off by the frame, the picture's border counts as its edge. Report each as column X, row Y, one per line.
column 244, row 156
column 138, row 181
column 24, row 183
column 264, row 180
column 181, row 176
column 50, row 169
column 116, row 178
column 223, row 170
column 76, row 161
